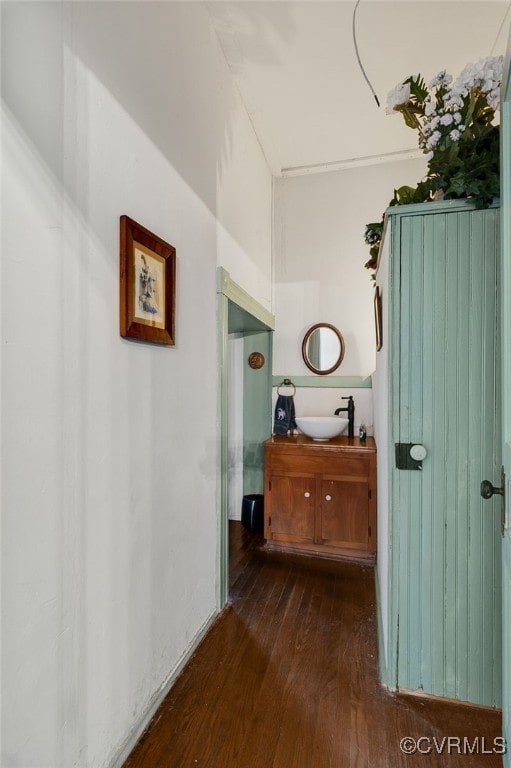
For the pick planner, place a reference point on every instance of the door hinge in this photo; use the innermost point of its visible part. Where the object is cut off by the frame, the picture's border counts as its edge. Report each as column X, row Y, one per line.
column 269, row 521
column 269, row 486
column 369, row 531
column 369, row 494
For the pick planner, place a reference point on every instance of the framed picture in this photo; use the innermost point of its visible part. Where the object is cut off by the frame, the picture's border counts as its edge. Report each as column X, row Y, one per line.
column 378, row 318
column 147, row 284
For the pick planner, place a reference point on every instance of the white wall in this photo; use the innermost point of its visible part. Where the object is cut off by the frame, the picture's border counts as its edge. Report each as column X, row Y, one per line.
column 110, row 448
column 245, row 187
column 319, row 269
column 320, row 277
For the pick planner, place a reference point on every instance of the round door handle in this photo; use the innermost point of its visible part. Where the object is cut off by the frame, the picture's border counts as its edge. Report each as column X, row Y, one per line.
column 488, row 490
column 306, row 494
column 418, row 452
column 328, row 497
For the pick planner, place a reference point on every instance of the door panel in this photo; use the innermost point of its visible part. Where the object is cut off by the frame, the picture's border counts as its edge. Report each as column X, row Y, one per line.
column 448, row 395
column 344, row 514
column 293, row 501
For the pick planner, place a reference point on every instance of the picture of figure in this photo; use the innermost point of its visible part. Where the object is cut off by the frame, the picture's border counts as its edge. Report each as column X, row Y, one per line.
column 149, row 287
column 147, row 278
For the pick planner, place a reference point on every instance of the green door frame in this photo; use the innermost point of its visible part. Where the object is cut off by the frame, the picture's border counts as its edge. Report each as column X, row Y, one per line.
column 229, row 292
column 505, row 155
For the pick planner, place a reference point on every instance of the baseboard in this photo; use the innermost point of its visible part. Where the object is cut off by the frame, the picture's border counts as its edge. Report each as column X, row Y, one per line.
column 382, row 661
column 132, row 739
column 405, row 693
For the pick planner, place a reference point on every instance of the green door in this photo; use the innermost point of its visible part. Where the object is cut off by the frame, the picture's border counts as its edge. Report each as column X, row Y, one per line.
column 446, row 397
column 506, row 411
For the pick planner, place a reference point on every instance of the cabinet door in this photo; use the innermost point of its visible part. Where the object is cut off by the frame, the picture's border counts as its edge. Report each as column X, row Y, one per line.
column 344, row 510
column 292, row 508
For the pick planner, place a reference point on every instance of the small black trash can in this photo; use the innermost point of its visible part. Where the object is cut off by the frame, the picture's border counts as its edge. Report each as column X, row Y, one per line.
column 252, row 512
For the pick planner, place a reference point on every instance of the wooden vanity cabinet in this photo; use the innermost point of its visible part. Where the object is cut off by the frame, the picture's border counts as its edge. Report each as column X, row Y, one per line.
column 320, row 498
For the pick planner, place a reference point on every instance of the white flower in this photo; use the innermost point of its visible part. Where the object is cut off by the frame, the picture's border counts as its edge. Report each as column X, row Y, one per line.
column 455, row 135
column 494, row 98
column 486, row 75
column 399, row 95
column 442, row 80
column 457, row 117
column 430, row 106
column 453, row 100
column 446, row 119
column 433, row 139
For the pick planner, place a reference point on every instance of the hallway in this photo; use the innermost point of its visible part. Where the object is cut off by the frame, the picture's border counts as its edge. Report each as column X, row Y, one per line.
column 287, row 678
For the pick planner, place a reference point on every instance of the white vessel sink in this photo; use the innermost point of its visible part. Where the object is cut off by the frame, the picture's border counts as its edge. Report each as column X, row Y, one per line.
column 322, row 427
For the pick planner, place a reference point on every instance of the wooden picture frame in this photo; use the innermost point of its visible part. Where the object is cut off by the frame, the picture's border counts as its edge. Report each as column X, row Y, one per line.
column 147, row 285
column 378, row 315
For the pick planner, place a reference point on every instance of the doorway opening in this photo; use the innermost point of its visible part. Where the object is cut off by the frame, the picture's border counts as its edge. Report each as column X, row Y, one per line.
column 244, row 327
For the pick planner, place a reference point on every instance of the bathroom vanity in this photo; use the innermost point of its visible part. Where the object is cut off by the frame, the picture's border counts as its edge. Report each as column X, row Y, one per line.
column 320, row 497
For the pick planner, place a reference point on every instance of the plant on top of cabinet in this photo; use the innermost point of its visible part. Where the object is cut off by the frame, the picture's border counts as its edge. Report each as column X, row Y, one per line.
column 456, row 132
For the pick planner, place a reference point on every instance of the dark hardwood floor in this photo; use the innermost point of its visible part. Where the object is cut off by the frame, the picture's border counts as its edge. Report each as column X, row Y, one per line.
column 287, row 678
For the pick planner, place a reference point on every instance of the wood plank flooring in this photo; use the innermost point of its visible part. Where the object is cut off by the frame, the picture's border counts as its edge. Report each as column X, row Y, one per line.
column 287, row 678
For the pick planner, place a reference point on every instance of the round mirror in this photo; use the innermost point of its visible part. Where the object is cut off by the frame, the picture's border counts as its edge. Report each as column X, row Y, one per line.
column 323, row 348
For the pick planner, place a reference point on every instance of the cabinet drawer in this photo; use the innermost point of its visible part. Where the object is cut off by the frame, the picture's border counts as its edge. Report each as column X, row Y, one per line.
column 322, row 465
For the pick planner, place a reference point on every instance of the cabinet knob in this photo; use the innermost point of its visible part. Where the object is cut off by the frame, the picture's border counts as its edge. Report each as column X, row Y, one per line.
column 328, row 497
column 306, row 494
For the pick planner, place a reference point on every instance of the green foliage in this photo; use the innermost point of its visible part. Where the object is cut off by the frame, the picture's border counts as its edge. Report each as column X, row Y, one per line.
column 470, row 168
column 373, row 235
column 418, row 89
column 455, row 129
column 409, row 195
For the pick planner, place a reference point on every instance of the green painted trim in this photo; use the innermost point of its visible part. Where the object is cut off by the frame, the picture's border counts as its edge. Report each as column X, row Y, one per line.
column 239, row 296
column 331, row 382
column 393, row 290
column 506, row 665
column 436, row 206
column 222, row 587
column 257, row 411
column 505, row 267
column 228, row 291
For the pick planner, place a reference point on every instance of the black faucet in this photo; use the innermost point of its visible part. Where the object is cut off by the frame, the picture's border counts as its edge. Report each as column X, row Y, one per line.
column 351, row 414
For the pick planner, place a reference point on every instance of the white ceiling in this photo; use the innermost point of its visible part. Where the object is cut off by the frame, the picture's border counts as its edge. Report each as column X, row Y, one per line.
column 296, row 69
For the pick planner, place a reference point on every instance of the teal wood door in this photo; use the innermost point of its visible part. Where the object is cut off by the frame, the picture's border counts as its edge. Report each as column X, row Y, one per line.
column 446, row 396
column 506, row 412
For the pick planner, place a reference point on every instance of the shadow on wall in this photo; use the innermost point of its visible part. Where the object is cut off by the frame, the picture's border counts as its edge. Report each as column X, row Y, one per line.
column 141, row 53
